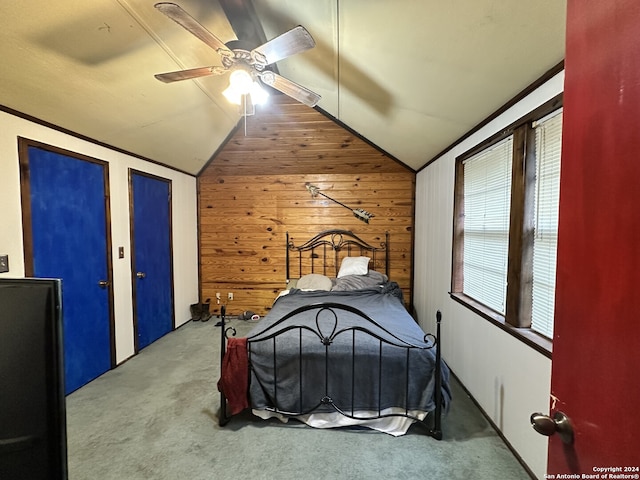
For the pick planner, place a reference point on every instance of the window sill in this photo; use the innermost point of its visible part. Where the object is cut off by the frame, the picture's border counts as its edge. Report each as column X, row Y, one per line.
column 528, row 336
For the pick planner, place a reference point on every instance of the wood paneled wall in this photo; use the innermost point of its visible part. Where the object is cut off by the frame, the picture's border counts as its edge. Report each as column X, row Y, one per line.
column 253, row 192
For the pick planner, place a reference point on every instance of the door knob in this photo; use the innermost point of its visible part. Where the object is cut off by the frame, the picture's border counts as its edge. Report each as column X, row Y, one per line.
column 103, row 283
column 141, row 274
column 545, row 425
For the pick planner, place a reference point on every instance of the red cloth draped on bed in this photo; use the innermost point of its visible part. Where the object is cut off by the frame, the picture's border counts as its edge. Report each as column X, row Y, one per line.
column 234, row 377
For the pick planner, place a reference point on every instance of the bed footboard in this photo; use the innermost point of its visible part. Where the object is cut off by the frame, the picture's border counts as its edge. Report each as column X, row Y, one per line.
column 225, row 332
column 302, row 368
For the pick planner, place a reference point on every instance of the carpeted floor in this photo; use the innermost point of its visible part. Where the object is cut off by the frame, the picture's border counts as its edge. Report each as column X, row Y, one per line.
column 155, row 417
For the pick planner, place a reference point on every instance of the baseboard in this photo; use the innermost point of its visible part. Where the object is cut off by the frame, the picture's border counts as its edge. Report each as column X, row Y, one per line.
column 497, row 430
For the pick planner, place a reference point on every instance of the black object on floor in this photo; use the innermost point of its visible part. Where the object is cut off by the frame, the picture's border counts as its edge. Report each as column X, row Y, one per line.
column 200, row 311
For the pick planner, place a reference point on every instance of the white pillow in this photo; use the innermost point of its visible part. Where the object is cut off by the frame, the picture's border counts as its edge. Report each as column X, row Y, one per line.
column 354, row 266
column 314, row 281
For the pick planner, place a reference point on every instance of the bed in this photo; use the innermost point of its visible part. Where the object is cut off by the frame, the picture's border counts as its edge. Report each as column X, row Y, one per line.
column 338, row 348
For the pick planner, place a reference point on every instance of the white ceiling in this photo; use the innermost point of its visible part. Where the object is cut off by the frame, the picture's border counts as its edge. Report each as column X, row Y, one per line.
column 411, row 76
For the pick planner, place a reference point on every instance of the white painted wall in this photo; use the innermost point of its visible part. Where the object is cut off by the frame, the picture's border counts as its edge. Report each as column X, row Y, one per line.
column 185, row 243
column 509, row 379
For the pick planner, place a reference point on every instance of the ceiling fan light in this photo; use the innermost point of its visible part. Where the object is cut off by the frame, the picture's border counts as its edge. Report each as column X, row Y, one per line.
column 241, row 81
column 258, row 94
column 232, row 95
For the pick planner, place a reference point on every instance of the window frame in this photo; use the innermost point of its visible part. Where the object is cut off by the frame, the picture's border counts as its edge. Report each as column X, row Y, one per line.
column 516, row 319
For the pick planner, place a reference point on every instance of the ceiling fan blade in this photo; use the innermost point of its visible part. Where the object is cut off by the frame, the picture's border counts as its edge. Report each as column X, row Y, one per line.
column 294, row 41
column 286, row 86
column 189, row 74
column 182, row 18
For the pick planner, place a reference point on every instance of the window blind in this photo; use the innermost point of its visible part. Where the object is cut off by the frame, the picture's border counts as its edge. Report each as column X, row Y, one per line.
column 487, row 203
column 547, row 194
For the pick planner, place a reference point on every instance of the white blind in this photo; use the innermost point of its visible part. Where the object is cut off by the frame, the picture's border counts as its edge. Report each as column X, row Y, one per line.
column 487, row 203
column 548, row 149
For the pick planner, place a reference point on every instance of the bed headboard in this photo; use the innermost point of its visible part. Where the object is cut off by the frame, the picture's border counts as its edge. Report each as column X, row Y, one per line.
column 324, row 252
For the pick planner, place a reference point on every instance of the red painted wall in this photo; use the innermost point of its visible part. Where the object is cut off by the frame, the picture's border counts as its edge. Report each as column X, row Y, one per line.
column 596, row 359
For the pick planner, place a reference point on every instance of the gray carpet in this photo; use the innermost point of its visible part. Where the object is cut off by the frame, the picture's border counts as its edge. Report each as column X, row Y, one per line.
column 155, row 417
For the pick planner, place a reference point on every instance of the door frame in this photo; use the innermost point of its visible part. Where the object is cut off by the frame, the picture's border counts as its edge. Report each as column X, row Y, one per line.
column 134, row 303
column 27, row 227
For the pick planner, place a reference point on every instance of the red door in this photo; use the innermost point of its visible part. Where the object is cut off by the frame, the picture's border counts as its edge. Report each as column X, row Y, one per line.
column 596, row 358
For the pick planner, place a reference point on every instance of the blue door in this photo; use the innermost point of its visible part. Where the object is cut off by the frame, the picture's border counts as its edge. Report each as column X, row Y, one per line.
column 152, row 265
column 70, row 239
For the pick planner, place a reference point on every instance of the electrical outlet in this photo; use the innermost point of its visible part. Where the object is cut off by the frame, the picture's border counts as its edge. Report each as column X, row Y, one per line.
column 4, row 263
column 230, row 295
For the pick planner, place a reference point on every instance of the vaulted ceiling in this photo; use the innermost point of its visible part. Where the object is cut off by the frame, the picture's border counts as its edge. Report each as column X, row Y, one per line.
column 411, row 76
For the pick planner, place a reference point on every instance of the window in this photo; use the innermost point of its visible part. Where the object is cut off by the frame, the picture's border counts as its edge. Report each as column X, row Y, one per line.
column 545, row 241
column 506, row 225
column 487, row 191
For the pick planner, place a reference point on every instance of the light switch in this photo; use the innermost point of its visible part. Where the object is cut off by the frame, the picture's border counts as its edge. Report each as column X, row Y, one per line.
column 4, row 263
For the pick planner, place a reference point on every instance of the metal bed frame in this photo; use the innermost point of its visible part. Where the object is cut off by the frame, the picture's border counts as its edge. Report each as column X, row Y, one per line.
column 320, row 247
column 328, row 327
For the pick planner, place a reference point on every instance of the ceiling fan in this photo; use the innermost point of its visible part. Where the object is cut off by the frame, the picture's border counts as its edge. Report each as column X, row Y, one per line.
column 244, row 66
